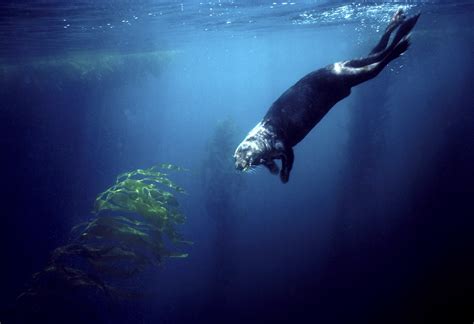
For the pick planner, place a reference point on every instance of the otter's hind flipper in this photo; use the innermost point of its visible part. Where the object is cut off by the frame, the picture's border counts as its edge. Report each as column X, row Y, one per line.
column 399, row 49
column 404, row 30
column 396, row 20
column 360, row 70
column 381, row 50
column 401, row 41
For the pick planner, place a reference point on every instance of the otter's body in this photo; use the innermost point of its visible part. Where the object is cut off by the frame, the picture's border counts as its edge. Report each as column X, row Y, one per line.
column 294, row 114
column 302, row 106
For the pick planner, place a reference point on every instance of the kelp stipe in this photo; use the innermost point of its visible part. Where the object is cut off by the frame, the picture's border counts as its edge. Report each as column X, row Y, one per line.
column 221, row 188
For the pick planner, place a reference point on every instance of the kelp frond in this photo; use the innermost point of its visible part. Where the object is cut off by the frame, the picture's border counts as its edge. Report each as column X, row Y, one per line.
column 111, row 249
column 144, row 192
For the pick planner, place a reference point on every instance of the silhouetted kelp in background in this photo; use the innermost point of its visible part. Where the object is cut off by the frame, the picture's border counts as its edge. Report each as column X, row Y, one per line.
column 220, row 180
column 222, row 184
column 54, row 73
column 362, row 170
column 99, row 266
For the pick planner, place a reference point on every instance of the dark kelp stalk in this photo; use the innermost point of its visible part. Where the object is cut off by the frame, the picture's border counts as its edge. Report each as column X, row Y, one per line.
column 221, row 187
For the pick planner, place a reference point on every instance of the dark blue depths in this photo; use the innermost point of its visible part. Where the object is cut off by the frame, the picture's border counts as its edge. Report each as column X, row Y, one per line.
column 375, row 225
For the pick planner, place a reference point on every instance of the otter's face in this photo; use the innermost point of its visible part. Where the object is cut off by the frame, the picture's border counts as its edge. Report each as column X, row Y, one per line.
column 247, row 155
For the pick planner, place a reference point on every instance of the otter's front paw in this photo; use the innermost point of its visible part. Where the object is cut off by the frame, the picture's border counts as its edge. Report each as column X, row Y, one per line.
column 271, row 166
column 284, row 176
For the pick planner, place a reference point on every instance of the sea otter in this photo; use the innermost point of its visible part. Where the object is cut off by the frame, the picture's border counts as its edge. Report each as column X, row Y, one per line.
column 292, row 116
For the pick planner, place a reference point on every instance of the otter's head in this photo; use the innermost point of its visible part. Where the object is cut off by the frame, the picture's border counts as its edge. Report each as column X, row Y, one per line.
column 253, row 150
column 248, row 155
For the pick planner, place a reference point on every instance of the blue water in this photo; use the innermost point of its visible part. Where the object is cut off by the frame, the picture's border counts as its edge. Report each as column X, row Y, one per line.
column 375, row 224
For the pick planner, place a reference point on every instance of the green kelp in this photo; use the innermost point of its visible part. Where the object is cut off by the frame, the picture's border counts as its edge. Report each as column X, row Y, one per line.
column 142, row 192
column 134, row 221
column 149, row 213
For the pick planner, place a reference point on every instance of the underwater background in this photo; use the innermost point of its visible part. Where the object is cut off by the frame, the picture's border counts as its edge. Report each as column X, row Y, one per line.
column 375, row 226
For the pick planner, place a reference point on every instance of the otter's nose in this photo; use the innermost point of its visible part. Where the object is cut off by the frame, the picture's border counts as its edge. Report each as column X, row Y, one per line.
column 240, row 166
